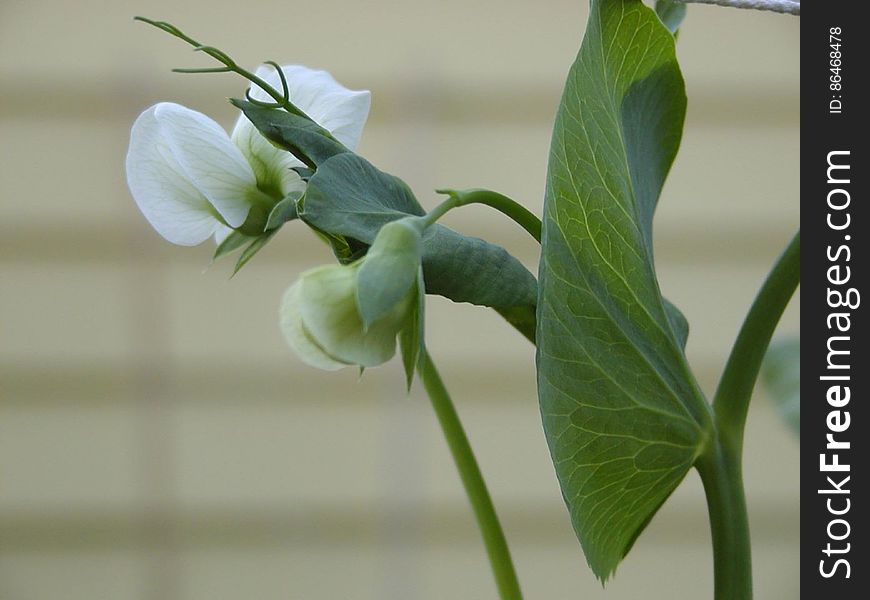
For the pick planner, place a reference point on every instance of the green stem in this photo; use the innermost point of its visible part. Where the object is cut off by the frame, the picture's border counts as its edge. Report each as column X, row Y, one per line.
column 721, row 474
column 731, row 402
column 720, row 465
column 472, row 480
column 511, row 208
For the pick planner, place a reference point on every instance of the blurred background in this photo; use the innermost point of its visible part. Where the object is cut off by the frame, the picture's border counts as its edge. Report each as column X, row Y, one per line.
column 158, row 441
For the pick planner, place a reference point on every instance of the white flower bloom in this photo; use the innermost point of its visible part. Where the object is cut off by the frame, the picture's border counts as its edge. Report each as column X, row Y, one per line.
column 192, row 181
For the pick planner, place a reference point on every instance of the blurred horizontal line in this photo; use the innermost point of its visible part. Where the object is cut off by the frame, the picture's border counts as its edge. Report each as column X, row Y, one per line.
column 426, row 525
column 190, row 382
column 41, row 386
column 55, row 243
column 725, row 104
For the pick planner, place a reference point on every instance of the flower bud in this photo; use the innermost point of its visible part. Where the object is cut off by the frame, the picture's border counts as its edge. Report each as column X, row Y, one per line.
column 321, row 320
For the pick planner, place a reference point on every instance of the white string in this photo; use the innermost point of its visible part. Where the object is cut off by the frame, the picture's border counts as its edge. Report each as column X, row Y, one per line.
column 790, row 7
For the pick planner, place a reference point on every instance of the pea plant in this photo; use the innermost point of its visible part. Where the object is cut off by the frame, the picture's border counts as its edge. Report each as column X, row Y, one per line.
column 622, row 412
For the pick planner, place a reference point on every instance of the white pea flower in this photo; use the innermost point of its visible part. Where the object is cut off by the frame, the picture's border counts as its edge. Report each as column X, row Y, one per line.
column 192, row 181
column 339, row 315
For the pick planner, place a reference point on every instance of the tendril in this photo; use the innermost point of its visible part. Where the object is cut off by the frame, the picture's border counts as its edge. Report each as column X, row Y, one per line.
column 260, row 103
column 284, row 87
column 204, row 70
column 281, row 99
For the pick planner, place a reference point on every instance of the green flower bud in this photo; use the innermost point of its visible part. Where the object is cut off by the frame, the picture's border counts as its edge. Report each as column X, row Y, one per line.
column 321, row 320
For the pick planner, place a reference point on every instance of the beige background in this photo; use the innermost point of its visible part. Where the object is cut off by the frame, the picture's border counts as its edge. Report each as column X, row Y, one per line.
column 157, row 439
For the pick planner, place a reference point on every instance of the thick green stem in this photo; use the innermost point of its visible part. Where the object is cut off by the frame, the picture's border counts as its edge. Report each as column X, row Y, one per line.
column 721, row 474
column 720, row 465
column 731, row 403
column 472, row 480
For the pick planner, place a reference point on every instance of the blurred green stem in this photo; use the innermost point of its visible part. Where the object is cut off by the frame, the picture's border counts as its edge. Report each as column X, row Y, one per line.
column 720, row 471
column 472, row 480
column 731, row 403
column 720, row 465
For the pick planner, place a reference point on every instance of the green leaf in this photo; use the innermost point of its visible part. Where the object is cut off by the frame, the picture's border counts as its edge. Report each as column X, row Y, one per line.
column 522, row 318
column 304, row 172
column 671, row 14
column 622, row 413
column 347, row 196
column 468, row 269
column 305, row 139
column 411, row 338
column 781, row 375
column 284, row 211
column 679, row 324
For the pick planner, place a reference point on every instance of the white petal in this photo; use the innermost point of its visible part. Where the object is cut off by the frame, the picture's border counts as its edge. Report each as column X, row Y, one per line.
column 341, row 111
column 272, row 166
column 221, row 234
column 170, row 202
column 296, row 336
column 209, row 159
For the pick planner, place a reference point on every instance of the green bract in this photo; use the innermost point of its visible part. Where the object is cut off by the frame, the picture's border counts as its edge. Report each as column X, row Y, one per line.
column 300, row 137
column 622, row 413
column 391, row 267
